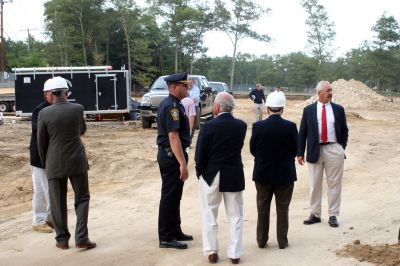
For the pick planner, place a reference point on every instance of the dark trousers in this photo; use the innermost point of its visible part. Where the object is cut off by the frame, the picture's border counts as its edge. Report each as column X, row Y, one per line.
column 58, row 206
column 283, row 196
column 169, row 218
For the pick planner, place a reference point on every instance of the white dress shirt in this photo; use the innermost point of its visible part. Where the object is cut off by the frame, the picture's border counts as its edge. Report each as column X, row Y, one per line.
column 330, row 121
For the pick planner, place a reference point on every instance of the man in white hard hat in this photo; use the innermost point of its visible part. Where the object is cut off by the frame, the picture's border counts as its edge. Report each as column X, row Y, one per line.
column 42, row 221
column 62, row 153
column 273, row 143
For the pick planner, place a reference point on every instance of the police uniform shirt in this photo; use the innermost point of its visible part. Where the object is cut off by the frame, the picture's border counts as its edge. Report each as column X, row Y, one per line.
column 171, row 117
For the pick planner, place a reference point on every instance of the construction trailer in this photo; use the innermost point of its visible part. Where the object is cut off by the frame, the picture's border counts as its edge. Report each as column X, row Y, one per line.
column 99, row 89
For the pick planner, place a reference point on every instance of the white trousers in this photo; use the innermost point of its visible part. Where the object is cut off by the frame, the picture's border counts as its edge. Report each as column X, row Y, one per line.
column 210, row 199
column 331, row 160
column 258, row 111
column 40, row 199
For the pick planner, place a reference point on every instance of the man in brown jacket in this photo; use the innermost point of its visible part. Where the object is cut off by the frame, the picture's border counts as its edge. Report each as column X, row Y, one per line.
column 62, row 153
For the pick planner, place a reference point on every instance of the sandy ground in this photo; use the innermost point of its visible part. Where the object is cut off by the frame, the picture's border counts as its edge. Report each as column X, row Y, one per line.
column 125, row 190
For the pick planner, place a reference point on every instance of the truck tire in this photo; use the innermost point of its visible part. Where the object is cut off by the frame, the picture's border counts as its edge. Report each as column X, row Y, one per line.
column 146, row 123
column 13, row 108
column 3, row 107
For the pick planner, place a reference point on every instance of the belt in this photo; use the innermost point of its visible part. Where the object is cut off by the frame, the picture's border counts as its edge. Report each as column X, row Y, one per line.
column 326, row 143
column 165, row 148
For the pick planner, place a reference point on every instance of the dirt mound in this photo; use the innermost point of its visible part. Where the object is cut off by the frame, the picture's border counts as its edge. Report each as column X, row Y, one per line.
column 380, row 255
column 354, row 94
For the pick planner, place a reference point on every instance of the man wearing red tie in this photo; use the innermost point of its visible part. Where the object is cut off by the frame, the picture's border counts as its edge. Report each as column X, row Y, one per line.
column 324, row 129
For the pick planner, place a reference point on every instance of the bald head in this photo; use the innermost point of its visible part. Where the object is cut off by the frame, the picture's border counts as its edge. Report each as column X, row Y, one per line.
column 223, row 102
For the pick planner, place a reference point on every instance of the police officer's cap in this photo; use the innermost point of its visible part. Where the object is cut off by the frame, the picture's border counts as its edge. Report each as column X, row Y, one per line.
column 177, row 78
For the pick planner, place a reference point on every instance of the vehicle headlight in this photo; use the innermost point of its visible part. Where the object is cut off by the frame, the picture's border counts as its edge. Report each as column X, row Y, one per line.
column 145, row 100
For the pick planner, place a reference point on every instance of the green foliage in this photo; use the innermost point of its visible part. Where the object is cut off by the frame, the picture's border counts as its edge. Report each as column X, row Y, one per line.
column 320, row 34
column 236, row 23
column 169, row 35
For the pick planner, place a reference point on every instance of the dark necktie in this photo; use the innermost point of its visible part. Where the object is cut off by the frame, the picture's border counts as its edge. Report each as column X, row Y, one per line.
column 324, row 132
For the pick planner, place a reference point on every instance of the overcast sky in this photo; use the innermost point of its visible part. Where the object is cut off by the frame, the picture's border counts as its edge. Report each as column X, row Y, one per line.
column 285, row 24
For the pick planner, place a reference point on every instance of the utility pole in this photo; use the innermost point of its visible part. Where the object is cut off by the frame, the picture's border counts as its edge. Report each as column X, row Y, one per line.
column 2, row 40
column 29, row 36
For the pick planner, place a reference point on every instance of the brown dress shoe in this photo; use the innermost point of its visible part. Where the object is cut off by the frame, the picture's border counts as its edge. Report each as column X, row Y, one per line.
column 62, row 245
column 213, row 258
column 87, row 244
column 235, row 261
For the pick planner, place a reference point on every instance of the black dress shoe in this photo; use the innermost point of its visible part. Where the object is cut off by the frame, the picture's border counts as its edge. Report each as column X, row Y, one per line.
column 173, row 244
column 184, row 237
column 283, row 246
column 262, row 245
column 312, row 219
column 333, row 221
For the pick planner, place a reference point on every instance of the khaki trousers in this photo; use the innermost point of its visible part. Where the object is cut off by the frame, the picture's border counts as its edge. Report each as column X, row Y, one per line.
column 258, row 111
column 210, row 199
column 331, row 160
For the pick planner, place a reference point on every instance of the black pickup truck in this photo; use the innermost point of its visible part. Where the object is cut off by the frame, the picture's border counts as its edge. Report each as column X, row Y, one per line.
column 159, row 91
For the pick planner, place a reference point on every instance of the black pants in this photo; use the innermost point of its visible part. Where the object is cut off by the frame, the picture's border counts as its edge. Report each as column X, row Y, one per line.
column 169, row 218
column 283, row 196
column 58, row 206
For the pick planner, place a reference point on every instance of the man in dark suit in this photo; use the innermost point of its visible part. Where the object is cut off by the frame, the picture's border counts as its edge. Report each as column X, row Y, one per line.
column 62, row 153
column 220, row 171
column 324, row 129
column 273, row 143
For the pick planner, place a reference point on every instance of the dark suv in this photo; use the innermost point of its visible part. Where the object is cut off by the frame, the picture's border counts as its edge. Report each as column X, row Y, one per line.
column 159, row 91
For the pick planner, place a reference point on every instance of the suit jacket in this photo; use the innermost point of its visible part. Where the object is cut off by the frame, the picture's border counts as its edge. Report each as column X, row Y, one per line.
column 61, row 150
column 33, row 149
column 309, row 131
column 273, row 143
column 218, row 149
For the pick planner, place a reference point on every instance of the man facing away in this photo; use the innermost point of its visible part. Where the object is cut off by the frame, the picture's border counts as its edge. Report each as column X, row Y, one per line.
column 324, row 129
column 42, row 221
column 258, row 98
column 273, row 143
column 61, row 151
column 220, row 171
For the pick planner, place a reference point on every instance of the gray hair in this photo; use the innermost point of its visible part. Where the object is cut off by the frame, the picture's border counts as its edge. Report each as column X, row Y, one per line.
column 320, row 85
column 226, row 101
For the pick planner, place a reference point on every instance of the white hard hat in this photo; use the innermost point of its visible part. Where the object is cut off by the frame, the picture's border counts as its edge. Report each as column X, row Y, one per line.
column 276, row 99
column 56, row 83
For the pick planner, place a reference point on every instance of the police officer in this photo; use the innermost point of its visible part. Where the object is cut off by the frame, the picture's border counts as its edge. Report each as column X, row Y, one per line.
column 172, row 140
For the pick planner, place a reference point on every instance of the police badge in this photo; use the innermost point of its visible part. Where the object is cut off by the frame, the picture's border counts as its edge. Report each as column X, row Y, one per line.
column 175, row 114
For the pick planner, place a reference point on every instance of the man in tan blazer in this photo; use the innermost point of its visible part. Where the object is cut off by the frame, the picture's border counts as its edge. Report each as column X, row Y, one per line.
column 62, row 153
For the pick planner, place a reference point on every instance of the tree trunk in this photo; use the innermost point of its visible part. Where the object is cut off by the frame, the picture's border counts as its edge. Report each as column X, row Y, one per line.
column 233, row 61
column 82, row 37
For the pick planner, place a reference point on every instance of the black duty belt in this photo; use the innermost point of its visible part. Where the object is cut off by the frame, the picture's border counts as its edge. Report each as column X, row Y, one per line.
column 327, row 143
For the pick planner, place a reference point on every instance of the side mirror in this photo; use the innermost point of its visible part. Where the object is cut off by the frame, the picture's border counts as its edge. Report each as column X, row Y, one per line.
column 146, row 89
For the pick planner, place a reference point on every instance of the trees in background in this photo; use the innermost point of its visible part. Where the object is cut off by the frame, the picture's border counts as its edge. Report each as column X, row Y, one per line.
column 236, row 23
column 320, row 35
column 120, row 33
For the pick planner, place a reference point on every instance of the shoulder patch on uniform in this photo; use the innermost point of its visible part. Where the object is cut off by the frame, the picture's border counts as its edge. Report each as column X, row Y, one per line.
column 175, row 113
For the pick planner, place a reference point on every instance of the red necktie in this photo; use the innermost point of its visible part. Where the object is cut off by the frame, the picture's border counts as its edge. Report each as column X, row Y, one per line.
column 324, row 132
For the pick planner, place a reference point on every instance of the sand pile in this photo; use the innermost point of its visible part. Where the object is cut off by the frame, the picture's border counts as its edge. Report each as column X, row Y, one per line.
column 354, row 94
